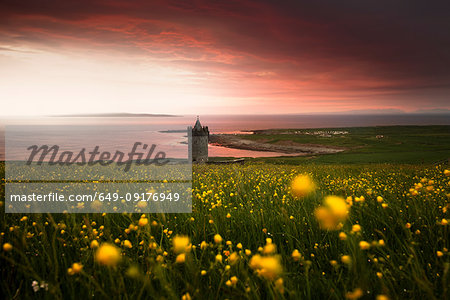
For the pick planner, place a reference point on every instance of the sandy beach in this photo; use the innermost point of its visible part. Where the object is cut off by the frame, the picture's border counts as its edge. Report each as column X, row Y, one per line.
column 234, row 141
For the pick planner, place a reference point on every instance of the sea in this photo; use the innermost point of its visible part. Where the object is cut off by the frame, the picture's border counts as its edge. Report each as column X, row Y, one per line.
column 168, row 130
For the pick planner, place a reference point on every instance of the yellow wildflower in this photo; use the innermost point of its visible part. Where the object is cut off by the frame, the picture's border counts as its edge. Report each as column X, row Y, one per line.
column 296, row 255
column 355, row 294
column 143, row 222
column 332, row 214
column 233, row 258
column 186, row 296
column 108, row 255
column 181, row 244
column 279, row 285
column 337, row 206
column 342, row 236
column 346, row 259
column 7, row 247
column 75, row 269
column 181, row 258
column 127, row 244
column 270, row 248
column 302, row 185
column 356, row 228
column 364, row 245
column 218, row 239
column 203, row 245
column 268, row 267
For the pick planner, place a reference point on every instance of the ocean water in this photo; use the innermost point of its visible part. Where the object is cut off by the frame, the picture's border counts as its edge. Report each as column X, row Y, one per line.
column 223, row 124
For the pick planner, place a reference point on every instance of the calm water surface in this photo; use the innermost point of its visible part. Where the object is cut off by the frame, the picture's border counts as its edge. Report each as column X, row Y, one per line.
column 230, row 124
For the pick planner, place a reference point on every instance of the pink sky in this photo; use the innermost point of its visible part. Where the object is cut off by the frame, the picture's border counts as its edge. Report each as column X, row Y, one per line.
column 202, row 57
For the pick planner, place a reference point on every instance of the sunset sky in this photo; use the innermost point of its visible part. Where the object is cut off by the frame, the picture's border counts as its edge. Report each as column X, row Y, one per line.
column 218, row 57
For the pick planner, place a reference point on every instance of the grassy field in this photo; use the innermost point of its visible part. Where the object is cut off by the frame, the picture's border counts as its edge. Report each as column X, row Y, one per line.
column 272, row 244
column 395, row 144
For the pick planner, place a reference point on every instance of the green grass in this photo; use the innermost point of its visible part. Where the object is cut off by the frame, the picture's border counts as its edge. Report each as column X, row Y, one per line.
column 400, row 144
column 260, row 205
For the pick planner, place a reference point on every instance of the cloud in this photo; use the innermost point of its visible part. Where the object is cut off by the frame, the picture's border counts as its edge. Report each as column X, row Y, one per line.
column 390, row 52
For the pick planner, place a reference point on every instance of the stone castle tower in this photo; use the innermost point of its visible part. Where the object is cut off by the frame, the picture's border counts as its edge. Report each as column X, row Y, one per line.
column 200, row 137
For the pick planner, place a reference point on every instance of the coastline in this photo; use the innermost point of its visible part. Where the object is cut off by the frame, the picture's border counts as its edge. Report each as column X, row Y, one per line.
column 233, row 141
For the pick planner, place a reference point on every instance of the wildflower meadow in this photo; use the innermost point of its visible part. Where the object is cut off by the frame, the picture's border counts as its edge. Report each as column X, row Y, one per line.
column 256, row 231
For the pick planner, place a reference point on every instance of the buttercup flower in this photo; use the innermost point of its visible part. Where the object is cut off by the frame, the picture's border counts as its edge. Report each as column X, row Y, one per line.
column 268, row 267
column 217, row 239
column 302, row 185
column 108, row 255
column 181, row 244
column 7, row 247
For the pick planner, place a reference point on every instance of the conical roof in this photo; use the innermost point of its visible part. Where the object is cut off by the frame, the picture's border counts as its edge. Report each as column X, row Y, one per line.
column 197, row 125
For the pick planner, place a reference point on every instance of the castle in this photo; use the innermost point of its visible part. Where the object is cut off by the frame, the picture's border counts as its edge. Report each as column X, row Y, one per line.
column 200, row 137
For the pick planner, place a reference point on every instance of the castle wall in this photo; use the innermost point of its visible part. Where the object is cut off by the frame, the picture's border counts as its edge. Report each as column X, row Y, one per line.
column 199, row 148
column 200, row 139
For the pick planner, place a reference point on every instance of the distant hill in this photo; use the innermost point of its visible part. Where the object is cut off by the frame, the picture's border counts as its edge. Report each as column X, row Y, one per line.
column 117, row 115
column 436, row 111
column 389, row 111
